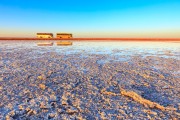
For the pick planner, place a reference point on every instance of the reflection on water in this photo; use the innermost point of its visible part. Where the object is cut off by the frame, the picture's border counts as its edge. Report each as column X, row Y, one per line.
column 117, row 48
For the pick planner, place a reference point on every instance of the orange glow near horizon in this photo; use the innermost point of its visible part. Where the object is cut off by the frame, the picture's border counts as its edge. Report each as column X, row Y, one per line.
column 110, row 34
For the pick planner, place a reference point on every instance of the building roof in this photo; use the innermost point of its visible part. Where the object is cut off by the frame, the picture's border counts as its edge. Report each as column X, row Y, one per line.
column 44, row 33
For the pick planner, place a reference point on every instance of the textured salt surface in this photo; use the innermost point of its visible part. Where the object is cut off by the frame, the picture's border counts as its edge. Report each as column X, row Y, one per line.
column 85, row 81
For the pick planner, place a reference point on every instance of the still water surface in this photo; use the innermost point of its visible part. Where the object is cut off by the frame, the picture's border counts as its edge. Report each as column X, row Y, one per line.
column 160, row 49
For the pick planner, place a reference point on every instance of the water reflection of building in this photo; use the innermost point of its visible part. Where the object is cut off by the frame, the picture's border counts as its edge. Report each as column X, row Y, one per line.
column 44, row 35
column 64, row 35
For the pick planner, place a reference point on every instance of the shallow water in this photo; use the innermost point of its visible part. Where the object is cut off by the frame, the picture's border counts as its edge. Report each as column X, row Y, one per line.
column 164, row 49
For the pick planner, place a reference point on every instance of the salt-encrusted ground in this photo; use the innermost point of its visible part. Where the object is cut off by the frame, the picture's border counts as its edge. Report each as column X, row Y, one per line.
column 88, row 80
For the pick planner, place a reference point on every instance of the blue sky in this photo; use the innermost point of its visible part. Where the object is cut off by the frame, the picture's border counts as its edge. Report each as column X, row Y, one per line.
column 91, row 18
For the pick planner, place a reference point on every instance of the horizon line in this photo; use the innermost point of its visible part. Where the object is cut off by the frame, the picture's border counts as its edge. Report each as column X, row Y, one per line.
column 94, row 38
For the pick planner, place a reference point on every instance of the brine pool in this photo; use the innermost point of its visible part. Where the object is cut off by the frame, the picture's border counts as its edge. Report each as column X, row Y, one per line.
column 126, row 49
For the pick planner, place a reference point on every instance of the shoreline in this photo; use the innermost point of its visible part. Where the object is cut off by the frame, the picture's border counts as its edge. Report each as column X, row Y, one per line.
column 96, row 39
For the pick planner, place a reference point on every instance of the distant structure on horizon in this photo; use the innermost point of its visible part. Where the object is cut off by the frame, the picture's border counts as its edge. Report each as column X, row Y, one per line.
column 64, row 35
column 44, row 35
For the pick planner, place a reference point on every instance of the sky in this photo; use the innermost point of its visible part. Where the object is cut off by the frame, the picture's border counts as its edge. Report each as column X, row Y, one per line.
column 91, row 18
